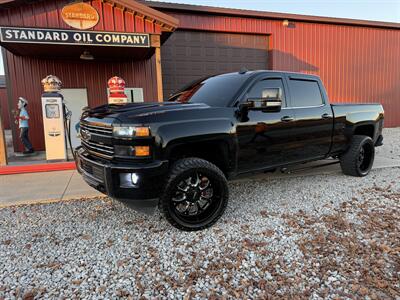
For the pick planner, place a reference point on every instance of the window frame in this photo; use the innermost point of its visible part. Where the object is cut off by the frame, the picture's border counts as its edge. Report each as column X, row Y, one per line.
column 301, row 78
column 258, row 79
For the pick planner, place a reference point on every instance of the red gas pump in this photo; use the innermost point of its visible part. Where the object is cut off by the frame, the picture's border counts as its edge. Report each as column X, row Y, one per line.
column 116, row 86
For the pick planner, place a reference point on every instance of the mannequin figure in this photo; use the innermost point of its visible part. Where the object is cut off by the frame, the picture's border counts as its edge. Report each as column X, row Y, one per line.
column 23, row 119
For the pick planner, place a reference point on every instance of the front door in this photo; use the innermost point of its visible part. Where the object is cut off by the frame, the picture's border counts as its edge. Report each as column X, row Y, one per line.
column 265, row 137
column 75, row 100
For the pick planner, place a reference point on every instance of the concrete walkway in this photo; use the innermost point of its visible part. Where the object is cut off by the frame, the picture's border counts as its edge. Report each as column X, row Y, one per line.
column 65, row 185
column 43, row 187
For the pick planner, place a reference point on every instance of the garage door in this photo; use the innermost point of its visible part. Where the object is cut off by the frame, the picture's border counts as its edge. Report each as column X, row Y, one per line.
column 189, row 55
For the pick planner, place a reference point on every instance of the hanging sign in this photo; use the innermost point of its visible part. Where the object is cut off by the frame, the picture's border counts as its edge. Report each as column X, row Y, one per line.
column 71, row 37
column 80, row 15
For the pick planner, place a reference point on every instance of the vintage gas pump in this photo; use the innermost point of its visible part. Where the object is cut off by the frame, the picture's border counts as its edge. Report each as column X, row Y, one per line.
column 54, row 113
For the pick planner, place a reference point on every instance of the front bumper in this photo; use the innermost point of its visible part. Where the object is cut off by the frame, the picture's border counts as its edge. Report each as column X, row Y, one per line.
column 104, row 176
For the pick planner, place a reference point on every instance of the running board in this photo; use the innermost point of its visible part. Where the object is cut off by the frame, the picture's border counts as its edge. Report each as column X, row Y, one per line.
column 290, row 171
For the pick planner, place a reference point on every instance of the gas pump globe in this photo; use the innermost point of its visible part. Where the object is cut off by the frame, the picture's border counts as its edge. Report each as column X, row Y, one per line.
column 116, row 86
column 53, row 119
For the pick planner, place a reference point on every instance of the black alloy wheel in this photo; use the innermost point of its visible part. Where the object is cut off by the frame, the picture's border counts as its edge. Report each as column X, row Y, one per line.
column 359, row 158
column 195, row 196
column 365, row 157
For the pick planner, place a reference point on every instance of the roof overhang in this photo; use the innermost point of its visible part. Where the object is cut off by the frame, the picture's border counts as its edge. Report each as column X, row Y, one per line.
column 167, row 22
column 101, row 53
column 53, row 47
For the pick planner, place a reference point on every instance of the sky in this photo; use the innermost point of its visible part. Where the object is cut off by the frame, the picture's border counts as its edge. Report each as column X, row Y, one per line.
column 377, row 10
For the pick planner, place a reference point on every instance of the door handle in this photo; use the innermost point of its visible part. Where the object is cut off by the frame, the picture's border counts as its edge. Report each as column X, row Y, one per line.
column 287, row 119
column 326, row 116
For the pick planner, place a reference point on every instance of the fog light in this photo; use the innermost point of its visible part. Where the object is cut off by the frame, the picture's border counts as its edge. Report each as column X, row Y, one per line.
column 129, row 180
column 135, row 178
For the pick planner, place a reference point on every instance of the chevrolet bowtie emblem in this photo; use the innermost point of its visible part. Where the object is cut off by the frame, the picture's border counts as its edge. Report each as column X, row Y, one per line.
column 85, row 134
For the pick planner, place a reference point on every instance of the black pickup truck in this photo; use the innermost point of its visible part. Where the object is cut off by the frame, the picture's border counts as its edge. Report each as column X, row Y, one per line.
column 179, row 154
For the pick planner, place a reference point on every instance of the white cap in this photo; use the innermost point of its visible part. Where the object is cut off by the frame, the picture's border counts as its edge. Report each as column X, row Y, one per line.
column 23, row 100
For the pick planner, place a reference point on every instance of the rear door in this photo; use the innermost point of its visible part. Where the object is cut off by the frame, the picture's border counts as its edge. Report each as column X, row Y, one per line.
column 313, row 118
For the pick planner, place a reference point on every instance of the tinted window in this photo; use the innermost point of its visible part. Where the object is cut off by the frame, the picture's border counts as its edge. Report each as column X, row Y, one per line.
column 214, row 91
column 305, row 93
column 257, row 90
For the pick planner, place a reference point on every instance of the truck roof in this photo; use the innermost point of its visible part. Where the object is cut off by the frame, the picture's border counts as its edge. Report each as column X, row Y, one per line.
column 254, row 72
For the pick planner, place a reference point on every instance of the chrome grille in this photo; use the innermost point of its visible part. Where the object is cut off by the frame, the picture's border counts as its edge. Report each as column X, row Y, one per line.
column 97, row 129
column 98, row 148
column 96, row 139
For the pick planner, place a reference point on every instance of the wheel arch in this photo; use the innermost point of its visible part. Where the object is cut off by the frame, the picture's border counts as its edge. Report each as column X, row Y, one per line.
column 219, row 151
column 367, row 129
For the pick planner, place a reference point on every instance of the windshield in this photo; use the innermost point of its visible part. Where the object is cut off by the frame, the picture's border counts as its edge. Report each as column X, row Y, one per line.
column 214, row 91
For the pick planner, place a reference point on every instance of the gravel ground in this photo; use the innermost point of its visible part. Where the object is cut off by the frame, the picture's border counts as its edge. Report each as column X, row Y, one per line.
column 326, row 236
column 391, row 143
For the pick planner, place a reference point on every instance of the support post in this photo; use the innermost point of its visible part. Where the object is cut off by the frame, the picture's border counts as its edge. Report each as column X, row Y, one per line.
column 10, row 99
column 3, row 144
column 155, row 41
column 159, row 75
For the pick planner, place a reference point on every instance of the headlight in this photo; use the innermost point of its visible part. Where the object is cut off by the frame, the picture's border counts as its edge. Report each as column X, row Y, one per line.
column 126, row 132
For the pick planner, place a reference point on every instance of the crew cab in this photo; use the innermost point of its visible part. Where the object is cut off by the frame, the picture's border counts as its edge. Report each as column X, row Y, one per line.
column 179, row 154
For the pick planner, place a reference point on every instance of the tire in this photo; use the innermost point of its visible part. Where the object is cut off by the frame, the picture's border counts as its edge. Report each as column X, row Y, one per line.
column 359, row 158
column 195, row 194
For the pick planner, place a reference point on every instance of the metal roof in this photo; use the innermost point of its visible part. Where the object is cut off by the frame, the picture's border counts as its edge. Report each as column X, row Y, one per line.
column 263, row 14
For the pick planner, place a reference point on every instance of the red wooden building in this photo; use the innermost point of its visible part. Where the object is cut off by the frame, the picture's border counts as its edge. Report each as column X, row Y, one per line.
column 357, row 60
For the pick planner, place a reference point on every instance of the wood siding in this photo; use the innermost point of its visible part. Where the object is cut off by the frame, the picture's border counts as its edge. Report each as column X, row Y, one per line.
column 47, row 14
column 4, row 108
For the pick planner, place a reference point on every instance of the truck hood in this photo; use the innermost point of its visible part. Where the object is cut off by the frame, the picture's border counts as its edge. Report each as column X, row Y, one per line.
column 128, row 112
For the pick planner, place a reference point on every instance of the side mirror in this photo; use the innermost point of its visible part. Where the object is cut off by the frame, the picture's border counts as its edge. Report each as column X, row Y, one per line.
column 270, row 101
